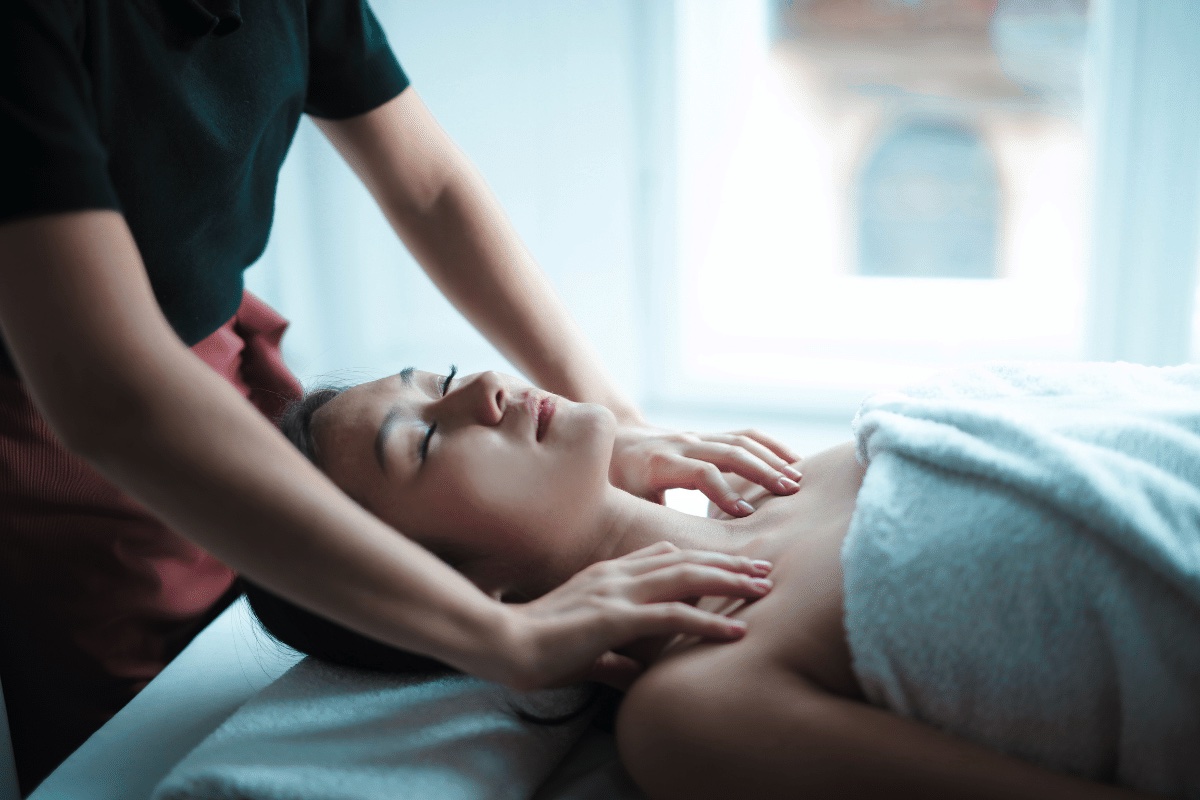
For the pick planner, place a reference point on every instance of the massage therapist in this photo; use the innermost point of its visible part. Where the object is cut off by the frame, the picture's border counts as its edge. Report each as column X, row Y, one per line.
column 140, row 144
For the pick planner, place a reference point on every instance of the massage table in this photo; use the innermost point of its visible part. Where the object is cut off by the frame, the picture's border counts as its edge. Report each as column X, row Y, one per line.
column 225, row 666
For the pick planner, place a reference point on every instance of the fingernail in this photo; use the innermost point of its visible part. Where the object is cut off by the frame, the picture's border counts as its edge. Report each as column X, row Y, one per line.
column 737, row 627
column 762, row 584
column 793, row 473
column 744, row 507
column 787, row 485
column 762, row 566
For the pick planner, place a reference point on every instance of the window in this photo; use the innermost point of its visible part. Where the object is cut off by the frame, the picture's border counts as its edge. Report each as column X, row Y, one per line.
column 847, row 173
column 928, row 205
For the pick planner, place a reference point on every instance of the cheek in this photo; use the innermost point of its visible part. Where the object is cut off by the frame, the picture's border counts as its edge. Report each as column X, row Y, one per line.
column 493, row 488
column 585, row 456
column 490, row 483
column 476, row 485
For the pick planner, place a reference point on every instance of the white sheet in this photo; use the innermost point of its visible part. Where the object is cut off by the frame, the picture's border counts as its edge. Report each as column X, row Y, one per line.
column 226, row 665
column 323, row 731
column 222, row 668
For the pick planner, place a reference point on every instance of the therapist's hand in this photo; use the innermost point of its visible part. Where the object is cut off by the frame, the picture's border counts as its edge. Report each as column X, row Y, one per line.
column 647, row 461
column 554, row 640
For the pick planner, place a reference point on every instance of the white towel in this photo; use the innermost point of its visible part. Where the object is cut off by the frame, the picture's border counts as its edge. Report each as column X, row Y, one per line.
column 1023, row 565
column 327, row 733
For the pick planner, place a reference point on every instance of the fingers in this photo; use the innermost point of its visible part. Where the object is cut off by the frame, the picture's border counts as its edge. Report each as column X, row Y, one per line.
column 700, row 461
column 740, row 461
column 682, row 581
column 706, row 477
column 647, row 461
column 775, row 446
column 563, row 634
column 655, row 559
column 665, row 619
column 762, row 452
column 664, row 573
column 764, row 449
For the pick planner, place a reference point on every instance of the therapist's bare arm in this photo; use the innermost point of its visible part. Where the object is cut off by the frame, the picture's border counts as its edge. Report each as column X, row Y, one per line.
column 122, row 391
column 450, row 220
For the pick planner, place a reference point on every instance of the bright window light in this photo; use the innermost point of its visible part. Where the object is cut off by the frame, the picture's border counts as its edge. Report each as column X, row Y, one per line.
column 856, row 208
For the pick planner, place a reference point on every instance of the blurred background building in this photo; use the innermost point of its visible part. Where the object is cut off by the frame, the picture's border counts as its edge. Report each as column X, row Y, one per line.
column 762, row 210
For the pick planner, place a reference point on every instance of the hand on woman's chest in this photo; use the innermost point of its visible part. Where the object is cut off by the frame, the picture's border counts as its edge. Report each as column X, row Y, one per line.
column 799, row 624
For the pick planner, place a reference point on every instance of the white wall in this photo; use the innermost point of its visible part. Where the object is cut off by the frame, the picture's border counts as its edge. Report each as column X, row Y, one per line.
column 541, row 94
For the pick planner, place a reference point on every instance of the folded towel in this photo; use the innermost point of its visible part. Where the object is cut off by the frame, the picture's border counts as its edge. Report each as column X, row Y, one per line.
column 329, row 733
column 1023, row 566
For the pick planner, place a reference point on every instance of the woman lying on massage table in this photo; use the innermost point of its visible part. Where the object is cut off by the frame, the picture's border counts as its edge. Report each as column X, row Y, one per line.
column 1021, row 657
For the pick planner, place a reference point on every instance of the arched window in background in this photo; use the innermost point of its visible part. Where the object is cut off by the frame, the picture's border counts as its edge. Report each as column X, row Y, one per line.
column 885, row 199
column 929, row 204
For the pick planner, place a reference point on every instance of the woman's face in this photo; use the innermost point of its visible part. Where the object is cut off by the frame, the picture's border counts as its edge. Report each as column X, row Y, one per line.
column 500, row 478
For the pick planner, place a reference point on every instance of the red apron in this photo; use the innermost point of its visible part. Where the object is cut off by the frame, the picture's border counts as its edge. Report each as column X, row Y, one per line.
column 96, row 596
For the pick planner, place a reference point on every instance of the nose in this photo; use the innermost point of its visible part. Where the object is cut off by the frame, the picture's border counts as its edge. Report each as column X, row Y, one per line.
column 480, row 398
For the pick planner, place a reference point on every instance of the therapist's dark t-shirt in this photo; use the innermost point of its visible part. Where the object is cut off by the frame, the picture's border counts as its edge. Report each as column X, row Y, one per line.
column 177, row 113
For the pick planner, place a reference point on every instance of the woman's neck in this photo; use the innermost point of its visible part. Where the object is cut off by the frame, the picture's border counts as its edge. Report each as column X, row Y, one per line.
column 632, row 523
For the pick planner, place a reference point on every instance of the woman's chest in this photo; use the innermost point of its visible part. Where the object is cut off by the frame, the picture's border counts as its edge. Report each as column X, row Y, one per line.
column 798, row 626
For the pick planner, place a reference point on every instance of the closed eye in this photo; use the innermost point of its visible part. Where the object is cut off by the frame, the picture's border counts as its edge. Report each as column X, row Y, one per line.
column 433, row 426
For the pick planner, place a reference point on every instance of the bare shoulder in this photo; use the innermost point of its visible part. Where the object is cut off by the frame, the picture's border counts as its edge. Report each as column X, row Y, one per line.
column 693, row 719
column 698, row 721
column 714, row 728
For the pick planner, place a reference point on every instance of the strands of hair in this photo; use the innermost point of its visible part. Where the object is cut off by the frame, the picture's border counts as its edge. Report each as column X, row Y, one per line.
column 296, row 420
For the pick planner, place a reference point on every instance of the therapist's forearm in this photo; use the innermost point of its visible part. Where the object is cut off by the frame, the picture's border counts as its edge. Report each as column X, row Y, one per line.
column 245, row 495
column 121, row 391
column 448, row 217
column 239, row 490
column 470, row 249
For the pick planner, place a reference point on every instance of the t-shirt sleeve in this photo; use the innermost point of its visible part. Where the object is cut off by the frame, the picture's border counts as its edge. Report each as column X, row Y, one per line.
column 351, row 67
column 51, row 155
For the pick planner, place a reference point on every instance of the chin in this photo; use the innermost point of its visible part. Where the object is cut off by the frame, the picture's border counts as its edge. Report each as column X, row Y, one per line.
column 597, row 436
column 599, row 422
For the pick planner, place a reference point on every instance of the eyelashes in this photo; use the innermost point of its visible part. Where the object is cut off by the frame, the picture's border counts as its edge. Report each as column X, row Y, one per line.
column 433, row 427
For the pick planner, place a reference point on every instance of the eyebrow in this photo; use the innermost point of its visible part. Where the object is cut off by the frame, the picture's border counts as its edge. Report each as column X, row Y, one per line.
column 391, row 419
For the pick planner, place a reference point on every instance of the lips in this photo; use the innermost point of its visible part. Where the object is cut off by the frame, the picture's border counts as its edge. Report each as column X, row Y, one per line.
column 545, row 410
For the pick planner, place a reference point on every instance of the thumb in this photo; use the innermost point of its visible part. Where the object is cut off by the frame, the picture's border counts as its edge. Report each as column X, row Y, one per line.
column 615, row 670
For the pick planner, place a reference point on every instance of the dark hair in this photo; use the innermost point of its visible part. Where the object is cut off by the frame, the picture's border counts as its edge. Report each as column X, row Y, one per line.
column 321, row 638
column 296, row 419
column 299, row 628
column 316, row 636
